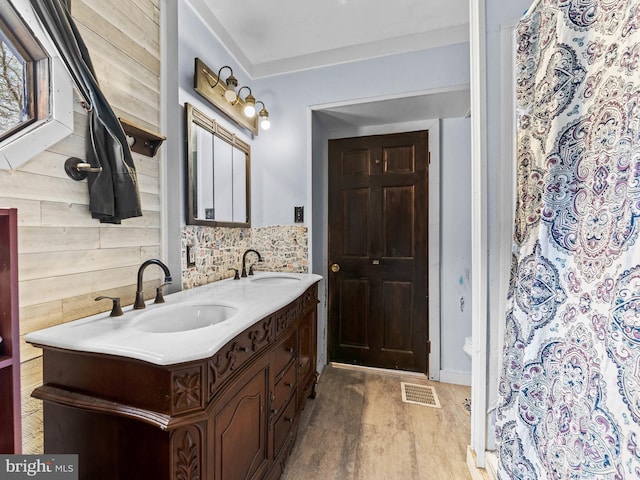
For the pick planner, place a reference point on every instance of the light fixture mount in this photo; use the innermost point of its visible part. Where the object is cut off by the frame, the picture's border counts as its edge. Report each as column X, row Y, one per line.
column 208, row 84
column 263, row 116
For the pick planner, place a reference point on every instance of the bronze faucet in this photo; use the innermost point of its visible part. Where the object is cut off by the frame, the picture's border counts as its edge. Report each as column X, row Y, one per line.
column 139, row 303
column 244, row 261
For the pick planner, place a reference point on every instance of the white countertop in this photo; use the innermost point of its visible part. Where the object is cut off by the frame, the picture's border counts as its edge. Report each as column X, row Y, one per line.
column 253, row 300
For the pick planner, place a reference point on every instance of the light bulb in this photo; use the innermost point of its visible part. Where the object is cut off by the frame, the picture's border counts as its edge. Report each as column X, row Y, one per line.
column 250, row 106
column 264, row 118
column 230, row 96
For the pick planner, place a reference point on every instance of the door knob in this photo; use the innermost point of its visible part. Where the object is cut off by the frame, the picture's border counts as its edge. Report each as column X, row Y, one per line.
column 335, row 268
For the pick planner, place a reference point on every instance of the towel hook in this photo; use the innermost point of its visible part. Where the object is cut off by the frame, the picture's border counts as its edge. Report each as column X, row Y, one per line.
column 77, row 169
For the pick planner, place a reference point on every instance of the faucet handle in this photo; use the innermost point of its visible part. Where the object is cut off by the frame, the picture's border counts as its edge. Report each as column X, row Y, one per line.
column 236, row 275
column 116, row 310
column 159, row 297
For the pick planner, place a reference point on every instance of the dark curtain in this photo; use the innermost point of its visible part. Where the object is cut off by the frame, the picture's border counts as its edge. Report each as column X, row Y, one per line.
column 113, row 193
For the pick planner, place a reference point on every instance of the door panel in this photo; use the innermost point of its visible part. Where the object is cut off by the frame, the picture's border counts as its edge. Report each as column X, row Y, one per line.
column 399, row 159
column 378, row 237
column 354, row 306
column 398, row 228
column 396, row 301
column 355, row 162
column 355, row 214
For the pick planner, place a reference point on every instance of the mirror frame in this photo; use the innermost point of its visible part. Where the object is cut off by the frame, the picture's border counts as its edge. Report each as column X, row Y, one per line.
column 193, row 116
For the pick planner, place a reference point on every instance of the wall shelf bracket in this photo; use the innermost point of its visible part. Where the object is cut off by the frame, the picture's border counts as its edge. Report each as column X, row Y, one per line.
column 141, row 140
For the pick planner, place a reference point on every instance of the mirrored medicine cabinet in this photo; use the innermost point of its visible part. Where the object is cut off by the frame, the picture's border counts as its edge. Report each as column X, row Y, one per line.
column 218, row 173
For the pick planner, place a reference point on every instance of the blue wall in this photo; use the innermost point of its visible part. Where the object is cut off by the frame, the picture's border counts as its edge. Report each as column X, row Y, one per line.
column 283, row 174
column 282, row 154
column 280, row 157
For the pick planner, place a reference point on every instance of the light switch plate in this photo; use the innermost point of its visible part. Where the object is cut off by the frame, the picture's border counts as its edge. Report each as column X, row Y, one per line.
column 191, row 256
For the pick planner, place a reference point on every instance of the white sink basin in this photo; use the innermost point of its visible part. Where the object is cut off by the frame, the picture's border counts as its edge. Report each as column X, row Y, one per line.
column 275, row 280
column 181, row 318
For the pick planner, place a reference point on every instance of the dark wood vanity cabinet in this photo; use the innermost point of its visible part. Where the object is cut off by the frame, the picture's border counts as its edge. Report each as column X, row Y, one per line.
column 231, row 416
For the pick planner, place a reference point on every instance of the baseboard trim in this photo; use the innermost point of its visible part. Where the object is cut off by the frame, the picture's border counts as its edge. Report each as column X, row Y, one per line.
column 456, row 378
column 491, row 459
column 383, row 371
column 446, row 376
column 475, row 472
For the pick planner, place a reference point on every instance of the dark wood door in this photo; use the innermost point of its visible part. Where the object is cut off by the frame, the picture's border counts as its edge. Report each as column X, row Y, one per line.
column 378, row 240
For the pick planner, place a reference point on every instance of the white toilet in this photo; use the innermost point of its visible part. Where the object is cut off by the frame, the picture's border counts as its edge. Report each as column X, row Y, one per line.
column 468, row 349
column 468, row 346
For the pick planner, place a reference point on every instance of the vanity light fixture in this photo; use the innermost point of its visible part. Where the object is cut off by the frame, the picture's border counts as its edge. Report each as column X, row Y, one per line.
column 224, row 95
column 263, row 115
column 231, row 83
column 249, row 103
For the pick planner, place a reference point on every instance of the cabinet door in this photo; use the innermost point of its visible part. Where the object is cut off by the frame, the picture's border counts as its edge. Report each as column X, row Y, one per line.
column 240, row 427
column 307, row 352
column 284, row 352
column 282, row 427
column 284, row 388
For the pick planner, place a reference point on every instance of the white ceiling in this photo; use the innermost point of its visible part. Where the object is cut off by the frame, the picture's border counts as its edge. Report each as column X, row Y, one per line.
column 271, row 37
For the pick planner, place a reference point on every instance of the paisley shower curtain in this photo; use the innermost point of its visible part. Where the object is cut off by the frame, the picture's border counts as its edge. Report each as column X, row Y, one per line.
column 569, row 400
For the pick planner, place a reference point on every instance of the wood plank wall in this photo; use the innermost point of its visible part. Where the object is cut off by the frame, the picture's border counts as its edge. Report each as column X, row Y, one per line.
column 66, row 258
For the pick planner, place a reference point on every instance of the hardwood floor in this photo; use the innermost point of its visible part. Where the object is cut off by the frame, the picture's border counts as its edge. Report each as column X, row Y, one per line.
column 359, row 428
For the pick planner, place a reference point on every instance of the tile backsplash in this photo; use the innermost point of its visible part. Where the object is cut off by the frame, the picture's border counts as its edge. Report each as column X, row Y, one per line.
column 217, row 249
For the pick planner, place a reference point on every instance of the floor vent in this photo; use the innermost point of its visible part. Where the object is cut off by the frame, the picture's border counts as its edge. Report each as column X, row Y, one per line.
column 419, row 395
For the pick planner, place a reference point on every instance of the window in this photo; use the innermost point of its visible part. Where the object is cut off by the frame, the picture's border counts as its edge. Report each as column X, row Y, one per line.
column 14, row 91
column 14, row 88
column 30, row 68
column 21, row 59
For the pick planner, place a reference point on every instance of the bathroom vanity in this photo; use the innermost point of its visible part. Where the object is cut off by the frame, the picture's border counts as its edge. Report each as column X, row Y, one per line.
column 220, row 401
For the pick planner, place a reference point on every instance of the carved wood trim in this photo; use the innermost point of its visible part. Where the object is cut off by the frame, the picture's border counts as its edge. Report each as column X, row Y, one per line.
column 187, row 389
column 225, row 362
column 236, row 353
column 309, row 298
column 187, row 454
column 67, row 398
column 285, row 317
column 262, row 335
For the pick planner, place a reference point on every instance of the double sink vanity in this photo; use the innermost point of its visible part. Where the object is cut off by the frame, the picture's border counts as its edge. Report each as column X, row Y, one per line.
column 208, row 385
